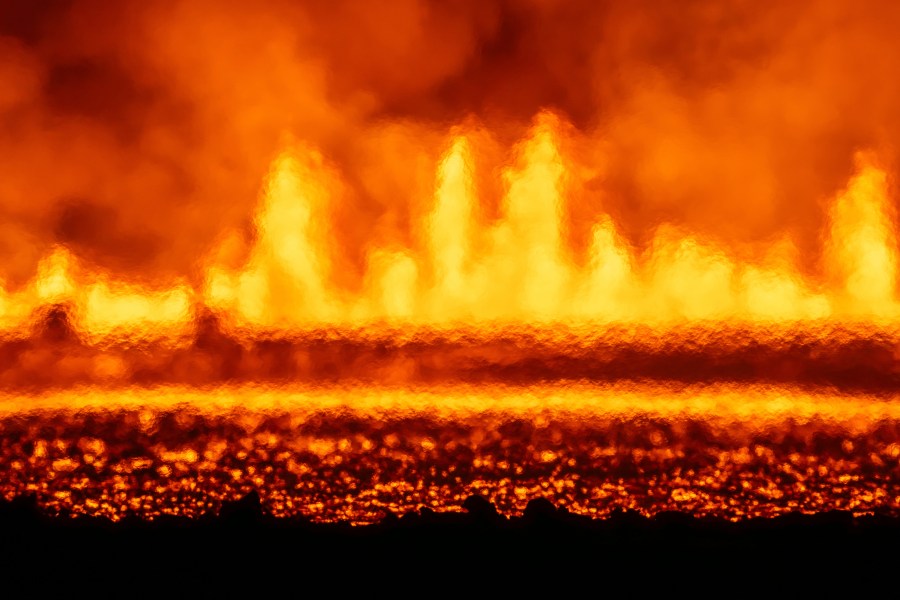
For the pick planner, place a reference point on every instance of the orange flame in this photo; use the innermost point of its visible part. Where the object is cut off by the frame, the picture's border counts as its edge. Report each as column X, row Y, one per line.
column 395, row 253
column 520, row 268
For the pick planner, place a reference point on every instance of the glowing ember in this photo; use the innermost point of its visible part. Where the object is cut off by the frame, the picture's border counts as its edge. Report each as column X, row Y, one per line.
column 671, row 287
column 354, row 453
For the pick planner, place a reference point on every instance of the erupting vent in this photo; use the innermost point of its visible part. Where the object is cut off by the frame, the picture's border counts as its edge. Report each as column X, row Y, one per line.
column 658, row 283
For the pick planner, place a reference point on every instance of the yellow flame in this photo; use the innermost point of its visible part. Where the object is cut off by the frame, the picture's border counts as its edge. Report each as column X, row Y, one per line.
column 108, row 308
column 609, row 292
column 520, row 268
column 53, row 283
column 286, row 279
column 525, row 271
column 393, row 285
column 450, row 229
column 690, row 279
column 862, row 249
column 532, row 237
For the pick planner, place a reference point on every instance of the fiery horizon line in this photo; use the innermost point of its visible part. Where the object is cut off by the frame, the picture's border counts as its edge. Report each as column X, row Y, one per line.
column 519, row 269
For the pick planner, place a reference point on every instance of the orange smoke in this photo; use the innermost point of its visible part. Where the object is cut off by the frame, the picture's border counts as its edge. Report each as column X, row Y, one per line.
column 137, row 136
column 452, row 248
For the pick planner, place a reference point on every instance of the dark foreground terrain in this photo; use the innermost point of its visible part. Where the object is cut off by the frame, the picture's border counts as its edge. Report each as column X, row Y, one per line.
column 242, row 551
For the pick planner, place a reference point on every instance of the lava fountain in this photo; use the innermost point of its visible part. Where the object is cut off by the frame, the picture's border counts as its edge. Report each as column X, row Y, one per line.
column 482, row 304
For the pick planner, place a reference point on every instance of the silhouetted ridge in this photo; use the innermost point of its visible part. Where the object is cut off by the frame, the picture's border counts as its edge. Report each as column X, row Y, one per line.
column 248, row 509
column 482, row 510
column 540, row 510
column 24, row 512
column 21, row 511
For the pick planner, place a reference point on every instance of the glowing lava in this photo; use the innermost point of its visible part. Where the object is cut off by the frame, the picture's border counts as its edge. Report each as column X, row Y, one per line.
column 486, row 356
column 519, row 268
column 355, row 453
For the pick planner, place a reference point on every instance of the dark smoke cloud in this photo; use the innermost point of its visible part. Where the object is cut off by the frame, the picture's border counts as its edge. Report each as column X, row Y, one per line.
column 137, row 133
